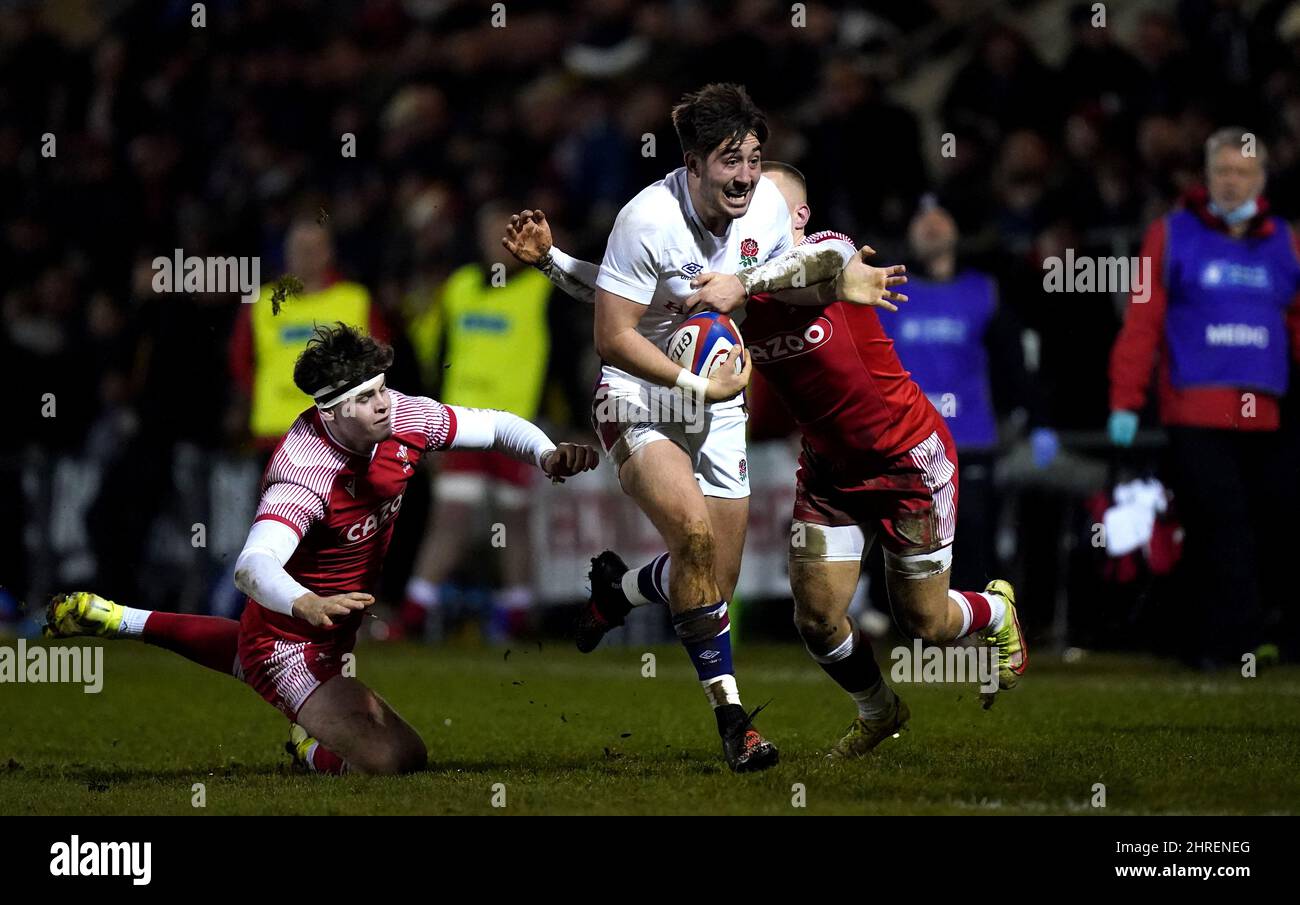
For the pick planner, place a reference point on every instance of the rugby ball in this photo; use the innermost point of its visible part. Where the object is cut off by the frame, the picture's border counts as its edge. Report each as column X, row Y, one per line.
column 702, row 341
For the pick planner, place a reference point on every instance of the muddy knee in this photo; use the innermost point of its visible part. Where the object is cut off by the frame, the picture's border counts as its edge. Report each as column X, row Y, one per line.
column 816, row 629
column 694, row 547
column 918, row 588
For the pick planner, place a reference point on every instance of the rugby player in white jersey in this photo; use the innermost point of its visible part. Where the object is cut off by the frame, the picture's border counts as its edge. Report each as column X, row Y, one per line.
column 716, row 214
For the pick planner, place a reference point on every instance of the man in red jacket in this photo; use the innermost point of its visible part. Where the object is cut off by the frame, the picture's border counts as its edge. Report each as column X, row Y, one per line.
column 1220, row 324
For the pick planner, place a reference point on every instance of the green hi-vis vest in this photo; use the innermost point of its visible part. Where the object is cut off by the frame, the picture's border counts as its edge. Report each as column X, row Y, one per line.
column 278, row 340
column 497, row 340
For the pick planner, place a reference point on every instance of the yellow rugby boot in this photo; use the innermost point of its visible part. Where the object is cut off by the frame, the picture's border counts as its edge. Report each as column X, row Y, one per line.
column 298, row 746
column 1013, row 651
column 82, row 613
column 865, row 735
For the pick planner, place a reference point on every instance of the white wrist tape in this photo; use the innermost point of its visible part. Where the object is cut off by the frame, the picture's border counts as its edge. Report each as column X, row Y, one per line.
column 693, row 382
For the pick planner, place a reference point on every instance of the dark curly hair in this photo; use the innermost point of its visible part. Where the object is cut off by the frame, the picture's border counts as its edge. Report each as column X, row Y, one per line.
column 717, row 113
column 339, row 353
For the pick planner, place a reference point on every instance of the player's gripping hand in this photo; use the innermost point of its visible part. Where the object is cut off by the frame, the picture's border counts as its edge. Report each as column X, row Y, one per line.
column 862, row 284
column 725, row 382
column 528, row 236
column 721, row 292
column 569, row 459
column 318, row 610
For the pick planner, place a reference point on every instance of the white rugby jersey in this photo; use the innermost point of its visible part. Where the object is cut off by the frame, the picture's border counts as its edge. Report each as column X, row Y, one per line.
column 658, row 245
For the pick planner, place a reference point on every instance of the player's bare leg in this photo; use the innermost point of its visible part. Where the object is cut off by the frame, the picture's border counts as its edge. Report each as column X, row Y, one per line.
column 822, row 593
column 924, row 609
column 361, row 730
column 660, row 477
column 823, row 582
column 729, row 519
column 616, row 589
column 927, row 608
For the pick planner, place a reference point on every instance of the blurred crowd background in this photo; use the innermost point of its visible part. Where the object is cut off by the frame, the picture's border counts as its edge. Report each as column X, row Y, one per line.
column 220, row 139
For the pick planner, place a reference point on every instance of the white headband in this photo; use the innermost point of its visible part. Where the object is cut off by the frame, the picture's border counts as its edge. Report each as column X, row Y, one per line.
column 341, row 391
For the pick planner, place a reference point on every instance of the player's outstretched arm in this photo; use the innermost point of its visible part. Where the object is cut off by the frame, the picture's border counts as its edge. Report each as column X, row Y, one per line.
column 862, row 284
column 801, row 267
column 528, row 238
column 260, row 573
column 519, row 438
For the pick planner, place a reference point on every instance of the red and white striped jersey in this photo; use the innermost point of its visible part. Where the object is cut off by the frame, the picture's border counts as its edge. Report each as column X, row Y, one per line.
column 342, row 505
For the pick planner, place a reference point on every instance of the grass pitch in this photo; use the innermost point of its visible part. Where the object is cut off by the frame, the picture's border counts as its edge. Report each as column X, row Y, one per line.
column 571, row 734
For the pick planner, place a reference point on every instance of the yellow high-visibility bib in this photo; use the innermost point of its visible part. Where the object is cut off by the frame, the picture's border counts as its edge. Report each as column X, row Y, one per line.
column 278, row 340
column 497, row 340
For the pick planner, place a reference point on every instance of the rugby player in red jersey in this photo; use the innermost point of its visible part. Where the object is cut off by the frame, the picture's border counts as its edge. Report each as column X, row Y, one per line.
column 330, row 497
column 877, row 460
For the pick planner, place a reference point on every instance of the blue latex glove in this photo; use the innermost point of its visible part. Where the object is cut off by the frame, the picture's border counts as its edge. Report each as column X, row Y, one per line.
column 1045, row 445
column 1122, row 427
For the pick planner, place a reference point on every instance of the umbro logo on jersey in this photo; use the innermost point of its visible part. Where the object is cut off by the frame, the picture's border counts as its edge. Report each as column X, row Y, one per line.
column 692, row 269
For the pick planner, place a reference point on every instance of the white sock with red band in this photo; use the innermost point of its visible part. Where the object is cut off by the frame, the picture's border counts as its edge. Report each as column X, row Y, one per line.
column 133, row 621
column 978, row 611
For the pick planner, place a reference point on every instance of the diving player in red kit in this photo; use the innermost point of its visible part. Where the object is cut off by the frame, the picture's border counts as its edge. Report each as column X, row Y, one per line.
column 877, row 459
column 330, row 497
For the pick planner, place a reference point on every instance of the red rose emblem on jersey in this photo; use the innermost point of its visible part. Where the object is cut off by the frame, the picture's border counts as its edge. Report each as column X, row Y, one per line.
column 749, row 248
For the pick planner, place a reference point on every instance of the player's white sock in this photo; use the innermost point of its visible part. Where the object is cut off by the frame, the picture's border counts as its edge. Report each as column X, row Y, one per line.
column 647, row 584
column 841, row 651
column 998, row 605
column 422, row 592
column 133, row 621
column 875, row 702
column 630, row 589
column 974, row 616
column 722, row 690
